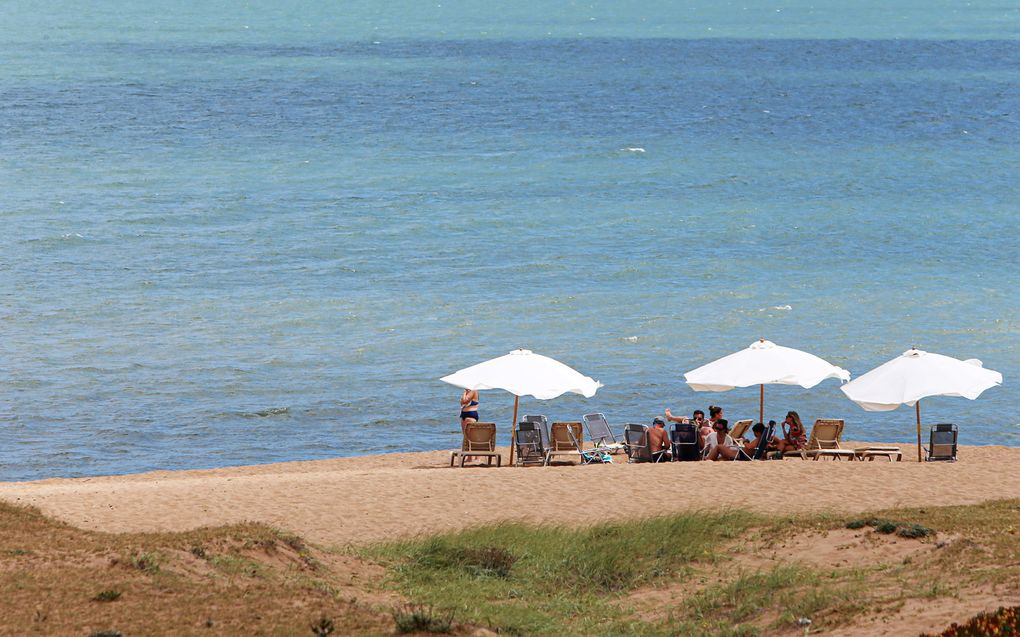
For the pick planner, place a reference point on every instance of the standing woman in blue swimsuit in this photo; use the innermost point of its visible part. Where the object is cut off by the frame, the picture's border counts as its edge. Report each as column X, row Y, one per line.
column 468, row 412
column 468, row 406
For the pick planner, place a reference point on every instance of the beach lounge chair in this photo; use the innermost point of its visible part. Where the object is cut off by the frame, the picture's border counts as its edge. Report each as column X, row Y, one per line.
column 686, row 441
column 561, row 443
column 600, row 433
column 543, row 424
column 879, row 451
column 740, row 428
column 824, row 441
column 635, row 437
column 942, row 443
column 530, row 450
column 479, row 440
column 761, row 449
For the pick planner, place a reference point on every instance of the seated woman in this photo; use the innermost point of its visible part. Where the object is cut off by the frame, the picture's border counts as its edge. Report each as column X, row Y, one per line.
column 794, row 437
column 719, row 444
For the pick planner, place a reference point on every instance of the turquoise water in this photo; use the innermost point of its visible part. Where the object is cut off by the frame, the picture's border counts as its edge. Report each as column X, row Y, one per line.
column 241, row 233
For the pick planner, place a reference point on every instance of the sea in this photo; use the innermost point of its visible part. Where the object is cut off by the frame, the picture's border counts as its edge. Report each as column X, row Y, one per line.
column 249, row 232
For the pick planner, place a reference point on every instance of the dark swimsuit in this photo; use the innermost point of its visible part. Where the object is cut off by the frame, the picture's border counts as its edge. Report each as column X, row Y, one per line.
column 470, row 414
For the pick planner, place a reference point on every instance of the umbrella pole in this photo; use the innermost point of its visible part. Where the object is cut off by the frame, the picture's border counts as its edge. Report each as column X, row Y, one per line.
column 917, row 405
column 513, row 430
column 761, row 403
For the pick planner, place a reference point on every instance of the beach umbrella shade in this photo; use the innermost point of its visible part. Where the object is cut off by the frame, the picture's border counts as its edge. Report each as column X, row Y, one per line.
column 763, row 363
column 917, row 374
column 524, row 373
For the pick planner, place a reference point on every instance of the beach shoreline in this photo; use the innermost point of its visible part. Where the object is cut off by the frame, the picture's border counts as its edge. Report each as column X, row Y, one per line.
column 367, row 499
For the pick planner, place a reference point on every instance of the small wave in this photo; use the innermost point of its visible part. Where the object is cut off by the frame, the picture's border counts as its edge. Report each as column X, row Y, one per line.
column 782, row 307
column 630, row 339
column 265, row 413
column 633, row 149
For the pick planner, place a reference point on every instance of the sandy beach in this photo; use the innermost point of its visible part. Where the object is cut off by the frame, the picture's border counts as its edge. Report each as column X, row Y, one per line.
column 376, row 498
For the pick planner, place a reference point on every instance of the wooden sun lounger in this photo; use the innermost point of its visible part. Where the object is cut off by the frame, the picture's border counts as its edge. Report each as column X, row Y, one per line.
column 740, row 428
column 870, row 453
column 561, row 443
column 824, row 441
column 479, row 440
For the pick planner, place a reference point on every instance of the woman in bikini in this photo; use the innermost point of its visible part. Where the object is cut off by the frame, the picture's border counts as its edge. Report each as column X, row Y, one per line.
column 468, row 412
column 794, row 436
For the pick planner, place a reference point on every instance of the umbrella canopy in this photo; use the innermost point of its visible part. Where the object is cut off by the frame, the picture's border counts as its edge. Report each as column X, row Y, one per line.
column 524, row 373
column 917, row 374
column 763, row 363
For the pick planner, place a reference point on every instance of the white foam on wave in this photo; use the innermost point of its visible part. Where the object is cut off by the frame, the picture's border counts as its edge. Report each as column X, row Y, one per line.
column 630, row 339
column 634, row 149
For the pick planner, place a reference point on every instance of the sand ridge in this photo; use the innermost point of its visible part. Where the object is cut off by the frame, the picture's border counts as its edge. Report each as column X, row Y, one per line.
column 377, row 498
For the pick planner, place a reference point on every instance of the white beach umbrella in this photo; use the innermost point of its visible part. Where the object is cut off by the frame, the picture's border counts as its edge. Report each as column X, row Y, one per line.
column 524, row 373
column 763, row 363
column 917, row 374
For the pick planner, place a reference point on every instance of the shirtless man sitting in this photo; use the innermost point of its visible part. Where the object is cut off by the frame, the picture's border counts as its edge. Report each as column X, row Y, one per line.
column 658, row 437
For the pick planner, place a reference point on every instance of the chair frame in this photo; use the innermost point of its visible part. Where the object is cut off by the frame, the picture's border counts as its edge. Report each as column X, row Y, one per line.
column 588, row 456
column 641, row 451
column 543, row 423
column 678, row 454
column 530, row 452
column 929, row 451
column 602, row 440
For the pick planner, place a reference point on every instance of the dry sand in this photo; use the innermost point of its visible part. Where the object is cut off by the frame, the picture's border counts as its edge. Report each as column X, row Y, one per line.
column 372, row 498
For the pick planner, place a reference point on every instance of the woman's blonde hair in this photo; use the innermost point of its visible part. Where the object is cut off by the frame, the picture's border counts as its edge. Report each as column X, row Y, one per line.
column 796, row 419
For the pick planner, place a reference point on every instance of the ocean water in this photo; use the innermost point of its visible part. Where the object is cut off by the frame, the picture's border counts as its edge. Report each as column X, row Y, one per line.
column 239, row 233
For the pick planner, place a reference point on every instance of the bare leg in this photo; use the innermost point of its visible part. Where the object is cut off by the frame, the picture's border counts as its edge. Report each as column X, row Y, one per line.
column 463, row 427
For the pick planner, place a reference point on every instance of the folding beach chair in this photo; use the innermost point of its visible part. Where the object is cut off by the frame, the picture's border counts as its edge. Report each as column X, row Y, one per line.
column 636, row 440
column 561, row 443
column 530, row 450
column 761, row 449
column 600, row 434
column 543, row 424
column 479, row 440
column 942, row 443
column 588, row 456
column 686, row 441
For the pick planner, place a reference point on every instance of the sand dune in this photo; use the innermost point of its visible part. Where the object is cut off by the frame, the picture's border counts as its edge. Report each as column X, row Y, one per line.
column 373, row 498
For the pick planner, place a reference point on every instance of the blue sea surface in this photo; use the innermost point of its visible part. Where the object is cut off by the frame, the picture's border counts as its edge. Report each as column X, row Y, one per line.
column 248, row 233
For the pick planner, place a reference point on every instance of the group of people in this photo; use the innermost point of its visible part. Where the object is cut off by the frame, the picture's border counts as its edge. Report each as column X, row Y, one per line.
column 716, row 442
column 714, row 432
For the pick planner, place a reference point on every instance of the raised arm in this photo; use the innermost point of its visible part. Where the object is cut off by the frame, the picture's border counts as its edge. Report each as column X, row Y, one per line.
column 670, row 417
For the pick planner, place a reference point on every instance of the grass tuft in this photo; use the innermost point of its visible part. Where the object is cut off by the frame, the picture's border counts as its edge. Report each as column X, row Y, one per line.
column 914, row 531
column 886, row 527
column 145, row 561
column 323, row 627
column 108, row 595
column 414, row 618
